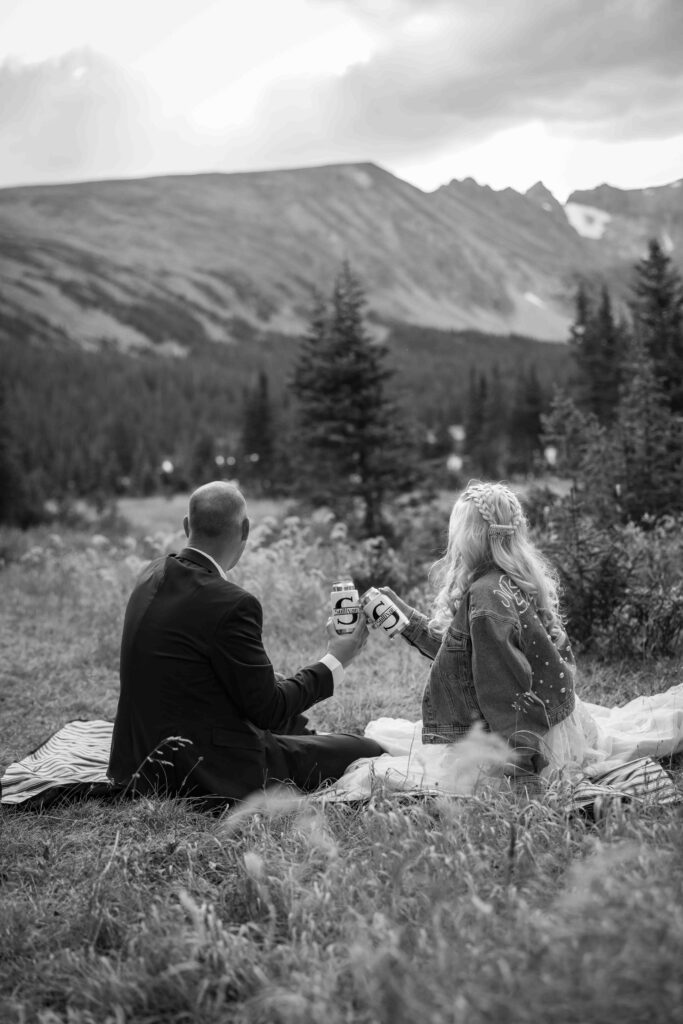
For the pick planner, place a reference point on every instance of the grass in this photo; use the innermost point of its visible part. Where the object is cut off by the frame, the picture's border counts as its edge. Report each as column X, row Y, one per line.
column 494, row 908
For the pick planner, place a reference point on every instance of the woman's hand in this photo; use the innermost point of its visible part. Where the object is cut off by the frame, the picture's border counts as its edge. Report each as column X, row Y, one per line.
column 399, row 602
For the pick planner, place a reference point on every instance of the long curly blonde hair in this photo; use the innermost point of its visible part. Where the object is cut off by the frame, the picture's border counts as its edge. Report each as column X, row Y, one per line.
column 488, row 528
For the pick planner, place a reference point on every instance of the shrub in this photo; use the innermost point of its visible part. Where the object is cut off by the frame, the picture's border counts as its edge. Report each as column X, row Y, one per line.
column 621, row 589
column 323, row 548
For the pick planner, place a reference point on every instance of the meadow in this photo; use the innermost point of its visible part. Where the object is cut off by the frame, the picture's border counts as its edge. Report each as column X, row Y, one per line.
column 494, row 907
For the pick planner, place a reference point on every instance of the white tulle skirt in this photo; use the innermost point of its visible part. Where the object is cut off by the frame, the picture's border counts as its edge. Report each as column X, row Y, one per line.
column 589, row 741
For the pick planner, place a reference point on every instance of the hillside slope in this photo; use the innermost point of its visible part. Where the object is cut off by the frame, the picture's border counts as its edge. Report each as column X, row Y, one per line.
column 175, row 262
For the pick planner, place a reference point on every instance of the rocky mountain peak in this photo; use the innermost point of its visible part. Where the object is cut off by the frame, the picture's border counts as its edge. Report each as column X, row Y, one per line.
column 541, row 194
column 177, row 261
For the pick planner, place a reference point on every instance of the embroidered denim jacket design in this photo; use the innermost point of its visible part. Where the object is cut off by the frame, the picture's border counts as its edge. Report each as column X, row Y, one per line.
column 495, row 664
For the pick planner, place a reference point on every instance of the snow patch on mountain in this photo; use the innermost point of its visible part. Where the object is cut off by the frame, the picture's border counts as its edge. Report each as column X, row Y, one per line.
column 587, row 221
column 533, row 299
column 667, row 243
column 360, row 177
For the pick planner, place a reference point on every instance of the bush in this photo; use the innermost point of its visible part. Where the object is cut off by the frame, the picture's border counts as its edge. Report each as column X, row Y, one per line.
column 622, row 594
column 415, row 536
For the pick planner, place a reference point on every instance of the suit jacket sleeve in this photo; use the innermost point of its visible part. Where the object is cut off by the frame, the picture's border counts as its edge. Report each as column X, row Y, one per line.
column 241, row 663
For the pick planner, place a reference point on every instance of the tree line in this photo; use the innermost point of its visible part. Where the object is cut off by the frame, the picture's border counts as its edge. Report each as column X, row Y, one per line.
column 344, row 418
column 617, row 427
column 77, row 423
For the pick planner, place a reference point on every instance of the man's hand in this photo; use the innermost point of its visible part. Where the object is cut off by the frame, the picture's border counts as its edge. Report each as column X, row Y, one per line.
column 399, row 602
column 345, row 646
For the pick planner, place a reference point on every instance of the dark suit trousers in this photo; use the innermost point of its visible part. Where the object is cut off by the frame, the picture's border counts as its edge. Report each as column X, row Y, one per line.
column 311, row 760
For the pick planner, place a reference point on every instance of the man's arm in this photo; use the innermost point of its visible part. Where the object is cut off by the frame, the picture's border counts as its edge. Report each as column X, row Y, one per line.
column 241, row 663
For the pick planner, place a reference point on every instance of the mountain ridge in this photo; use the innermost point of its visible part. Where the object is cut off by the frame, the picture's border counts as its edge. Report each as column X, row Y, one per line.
column 173, row 261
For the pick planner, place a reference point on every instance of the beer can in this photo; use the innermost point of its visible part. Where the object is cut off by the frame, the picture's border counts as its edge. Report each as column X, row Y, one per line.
column 345, row 606
column 382, row 613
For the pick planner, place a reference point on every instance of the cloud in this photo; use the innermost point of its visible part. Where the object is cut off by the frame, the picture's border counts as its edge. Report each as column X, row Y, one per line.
column 437, row 79
column 590, row 65
column 71, row 116
column 82, row 116
column 445, row 75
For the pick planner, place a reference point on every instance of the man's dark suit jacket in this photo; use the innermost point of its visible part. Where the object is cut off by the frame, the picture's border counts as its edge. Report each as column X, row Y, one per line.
column 193, row 666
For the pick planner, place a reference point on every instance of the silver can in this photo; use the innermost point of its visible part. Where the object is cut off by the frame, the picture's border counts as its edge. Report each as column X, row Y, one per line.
column 345, row 606
column 382, row 613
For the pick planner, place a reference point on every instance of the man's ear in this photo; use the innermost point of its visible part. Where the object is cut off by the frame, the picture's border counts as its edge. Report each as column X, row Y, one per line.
column 245, row 530
column 186, row 526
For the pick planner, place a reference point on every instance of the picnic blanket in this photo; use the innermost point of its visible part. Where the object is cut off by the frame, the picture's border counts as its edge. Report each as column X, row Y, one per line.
column 75, row 759
column 73, row 763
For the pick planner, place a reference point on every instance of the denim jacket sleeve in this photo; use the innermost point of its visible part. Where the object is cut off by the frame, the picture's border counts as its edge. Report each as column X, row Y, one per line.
column 417, row 634
column 502, row 681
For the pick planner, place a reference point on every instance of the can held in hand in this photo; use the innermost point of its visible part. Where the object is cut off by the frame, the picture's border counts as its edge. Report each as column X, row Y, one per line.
column 345, row 606
column 382, row 613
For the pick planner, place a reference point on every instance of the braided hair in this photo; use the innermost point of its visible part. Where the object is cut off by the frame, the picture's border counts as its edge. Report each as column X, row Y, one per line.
column 491, row 500
column 488, row 528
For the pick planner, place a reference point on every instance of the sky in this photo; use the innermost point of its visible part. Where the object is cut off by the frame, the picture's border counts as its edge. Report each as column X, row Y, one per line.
column 509, row 92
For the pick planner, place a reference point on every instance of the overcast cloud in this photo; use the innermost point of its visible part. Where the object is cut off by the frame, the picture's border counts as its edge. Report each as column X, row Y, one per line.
column 591, row 65
column 435, row 81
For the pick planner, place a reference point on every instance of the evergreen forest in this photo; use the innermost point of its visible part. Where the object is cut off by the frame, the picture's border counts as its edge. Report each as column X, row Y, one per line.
column 94, row 424
column 356, row 406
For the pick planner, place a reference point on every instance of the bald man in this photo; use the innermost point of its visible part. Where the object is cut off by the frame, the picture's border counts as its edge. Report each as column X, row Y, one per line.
column 201, row 712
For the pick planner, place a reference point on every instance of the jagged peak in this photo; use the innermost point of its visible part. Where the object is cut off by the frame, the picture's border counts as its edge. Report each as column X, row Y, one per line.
column 471, row 185
column 540, row 195
column 539, row 191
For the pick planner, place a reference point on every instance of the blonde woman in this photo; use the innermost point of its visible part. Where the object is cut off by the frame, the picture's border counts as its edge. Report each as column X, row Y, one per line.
column 500, row 654
column 501, row 660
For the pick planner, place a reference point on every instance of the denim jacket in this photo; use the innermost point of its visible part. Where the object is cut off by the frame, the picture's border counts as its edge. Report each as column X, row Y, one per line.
column 495, row 664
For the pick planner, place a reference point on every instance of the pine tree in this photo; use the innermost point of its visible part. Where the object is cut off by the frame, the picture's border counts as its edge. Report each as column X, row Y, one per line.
column 475, row 419
column 647, row 442
column 580, row 343
column 495, row 447
column 632, row 467
column 608, row 366
column 597, row 345
column 202, row 459
column 570, row 431
column 486, row 424
column 350, row 442
column 524, row 422
column 258, row 433
column 658, row 314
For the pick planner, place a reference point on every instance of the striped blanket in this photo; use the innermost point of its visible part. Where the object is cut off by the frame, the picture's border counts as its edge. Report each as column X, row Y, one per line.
column 74, row 756
column 641, row 779
column 74, row 761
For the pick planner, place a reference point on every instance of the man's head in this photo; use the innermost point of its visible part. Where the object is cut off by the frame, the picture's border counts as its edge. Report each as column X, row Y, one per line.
column 217, row 522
